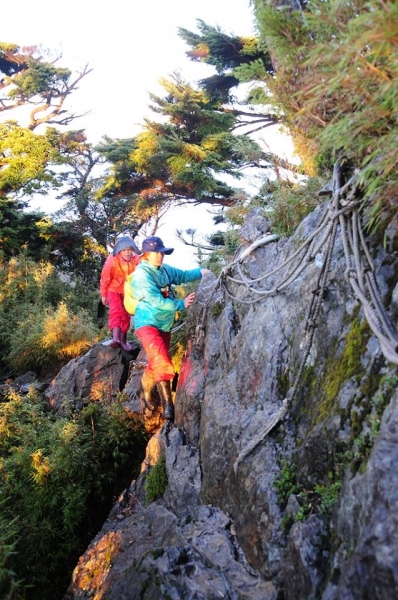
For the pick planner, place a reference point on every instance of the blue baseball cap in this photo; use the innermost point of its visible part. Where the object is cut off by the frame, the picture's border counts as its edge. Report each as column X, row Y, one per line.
column 155, row 244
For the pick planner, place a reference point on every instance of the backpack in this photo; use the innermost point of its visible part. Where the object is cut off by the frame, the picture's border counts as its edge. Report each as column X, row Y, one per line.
column 130, row 303
column 129, row 300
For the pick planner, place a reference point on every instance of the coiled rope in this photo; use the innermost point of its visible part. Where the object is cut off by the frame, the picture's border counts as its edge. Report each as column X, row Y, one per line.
column 342, row 212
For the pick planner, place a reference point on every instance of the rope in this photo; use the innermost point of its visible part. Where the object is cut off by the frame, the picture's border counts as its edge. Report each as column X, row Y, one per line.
column 311, row 324
column 342, row 211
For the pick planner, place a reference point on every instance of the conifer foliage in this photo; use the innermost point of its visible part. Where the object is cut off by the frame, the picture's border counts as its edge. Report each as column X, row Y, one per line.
column 336, row 84
column 181, row 157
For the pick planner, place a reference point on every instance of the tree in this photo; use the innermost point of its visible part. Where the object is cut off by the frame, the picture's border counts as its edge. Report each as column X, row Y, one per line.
column 19, row 229
column 183, row 157
column 29, row 162
column 29, row 80
column 235, row 59
column 24, row 159
column 90, row 210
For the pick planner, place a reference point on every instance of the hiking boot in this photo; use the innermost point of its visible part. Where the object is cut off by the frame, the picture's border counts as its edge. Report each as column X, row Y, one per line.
column 164, row 389
column 124, row 343
column 145, row 393
column 115, row 343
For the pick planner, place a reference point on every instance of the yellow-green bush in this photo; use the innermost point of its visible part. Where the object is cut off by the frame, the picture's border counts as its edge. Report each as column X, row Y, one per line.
column 44, row 337
column 43, row 320
column 58, row 480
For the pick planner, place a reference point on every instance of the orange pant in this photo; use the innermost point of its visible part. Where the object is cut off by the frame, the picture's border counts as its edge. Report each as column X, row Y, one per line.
column 156, row 344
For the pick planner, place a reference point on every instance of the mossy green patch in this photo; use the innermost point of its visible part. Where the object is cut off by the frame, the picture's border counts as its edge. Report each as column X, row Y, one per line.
column 341, row 368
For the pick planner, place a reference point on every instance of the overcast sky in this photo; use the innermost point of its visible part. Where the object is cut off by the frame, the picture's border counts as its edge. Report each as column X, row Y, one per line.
column 129, row 45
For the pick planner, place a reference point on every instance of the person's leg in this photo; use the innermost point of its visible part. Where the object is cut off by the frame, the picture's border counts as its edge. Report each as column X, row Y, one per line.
column 160, row 368
column 114, row 318
column 125, row 322
column 147, row 385
column 164, row 389
column 118, row 321
column 124, row 343
column 156, row 345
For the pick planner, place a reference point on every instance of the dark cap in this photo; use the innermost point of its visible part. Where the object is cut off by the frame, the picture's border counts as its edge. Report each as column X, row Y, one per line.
column 155, row 244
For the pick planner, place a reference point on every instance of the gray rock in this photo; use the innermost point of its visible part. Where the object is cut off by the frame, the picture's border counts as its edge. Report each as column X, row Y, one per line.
column 95, row 376
column 218, row 530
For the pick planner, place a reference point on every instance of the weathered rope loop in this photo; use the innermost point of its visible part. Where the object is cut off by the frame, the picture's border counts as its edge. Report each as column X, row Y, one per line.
column 359, row 273
column 341, row 212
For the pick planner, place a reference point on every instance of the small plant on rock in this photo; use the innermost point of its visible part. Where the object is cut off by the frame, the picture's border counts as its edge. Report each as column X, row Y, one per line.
column 156, row 481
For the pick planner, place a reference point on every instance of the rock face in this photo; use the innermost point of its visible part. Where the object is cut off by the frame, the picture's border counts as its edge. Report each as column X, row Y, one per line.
column 100, row 373
column 307, row 510
column 174, row 548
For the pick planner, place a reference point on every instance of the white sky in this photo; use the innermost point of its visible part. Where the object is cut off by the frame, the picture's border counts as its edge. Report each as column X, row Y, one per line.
column 129, row 45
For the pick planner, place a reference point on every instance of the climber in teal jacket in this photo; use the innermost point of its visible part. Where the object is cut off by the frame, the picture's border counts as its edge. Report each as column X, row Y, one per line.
column 158, row 309
column 154, row 318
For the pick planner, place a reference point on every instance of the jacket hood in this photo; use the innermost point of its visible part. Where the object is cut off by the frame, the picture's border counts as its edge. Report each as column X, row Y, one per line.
column 123, row 243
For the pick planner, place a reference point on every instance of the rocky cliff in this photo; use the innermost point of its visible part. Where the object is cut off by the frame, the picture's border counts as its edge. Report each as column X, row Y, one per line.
column 281, row 463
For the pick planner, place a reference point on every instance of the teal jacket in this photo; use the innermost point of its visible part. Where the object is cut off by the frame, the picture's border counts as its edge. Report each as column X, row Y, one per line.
column 154, row 308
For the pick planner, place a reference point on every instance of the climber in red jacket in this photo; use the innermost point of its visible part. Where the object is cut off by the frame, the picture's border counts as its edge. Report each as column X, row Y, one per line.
column 118, row 265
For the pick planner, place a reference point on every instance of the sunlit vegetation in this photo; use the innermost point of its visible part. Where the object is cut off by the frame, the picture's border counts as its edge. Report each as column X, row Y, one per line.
column 44, row 321
column 58, row 478
column 336, row 84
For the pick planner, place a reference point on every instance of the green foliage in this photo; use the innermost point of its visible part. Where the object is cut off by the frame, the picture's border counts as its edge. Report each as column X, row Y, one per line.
column 42, row 338
column 337, row 87
column 156, row 481
column 181, row 157
column 320, row 499
column 58, row 480
column 288, row 203
column 10, row 587
column 24, row 157
column 28, row 79
column 365, row 422
column 235, row 58
column 328, row 495
column 285, row 483
column 216, row 309
column 42, row 319
column 284, row 203
column 19, row 230
column 40, row 78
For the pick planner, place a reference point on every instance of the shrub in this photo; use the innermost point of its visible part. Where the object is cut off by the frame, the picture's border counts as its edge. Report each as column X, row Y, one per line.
column 43, row 320
column 290, row 202
column 59, row 477
column 10, row 588
column 337, row 84
column 42, row 337
column 285, row 483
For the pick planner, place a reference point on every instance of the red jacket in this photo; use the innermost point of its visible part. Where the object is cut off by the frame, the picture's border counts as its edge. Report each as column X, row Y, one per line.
column 114, row 273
